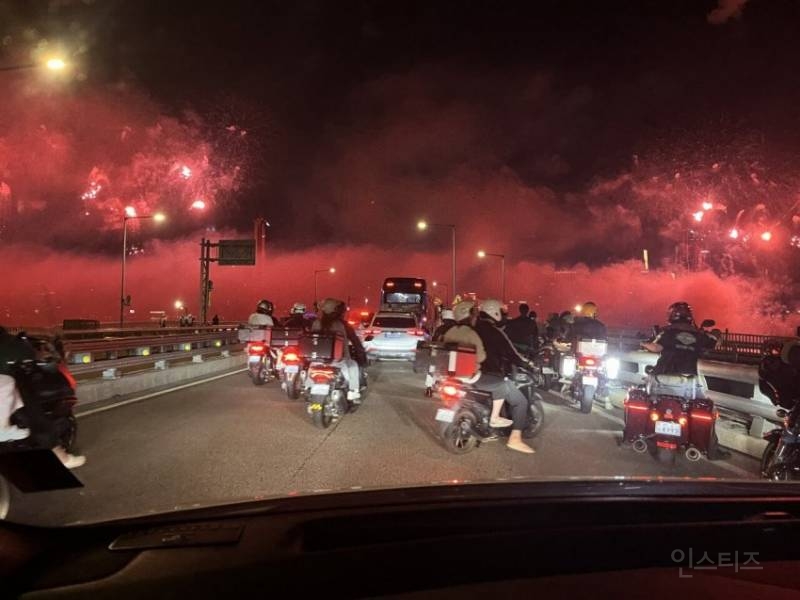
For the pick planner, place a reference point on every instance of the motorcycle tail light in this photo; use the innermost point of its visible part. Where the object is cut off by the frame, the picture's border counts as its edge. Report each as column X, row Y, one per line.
column 256, row 349
column 683, row 421
column 588, row 361
column 450, row 394
column 290, row 355
column 654, row 416
column 703, row 416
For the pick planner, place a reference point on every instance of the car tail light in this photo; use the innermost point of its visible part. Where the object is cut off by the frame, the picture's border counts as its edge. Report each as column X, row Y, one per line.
column 654, row 416
column 256, row 349
column 417, row 332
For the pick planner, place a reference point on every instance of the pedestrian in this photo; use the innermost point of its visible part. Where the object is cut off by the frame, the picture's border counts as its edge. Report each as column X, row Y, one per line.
column 215, row 320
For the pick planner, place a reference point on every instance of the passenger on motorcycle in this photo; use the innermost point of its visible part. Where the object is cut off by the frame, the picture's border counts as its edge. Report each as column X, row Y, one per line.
column 681, row 344
column 263, row 315
column 297, row 319
column 500, row 357
column 333, row 320
column 448, row 321
column 523, row 332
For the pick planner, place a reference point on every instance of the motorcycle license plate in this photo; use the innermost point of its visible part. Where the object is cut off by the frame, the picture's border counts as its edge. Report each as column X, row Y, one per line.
column 445, row 415
column 590, row 380
column 253, row 359
column 291, row 369
column 320, row 389
column 668, row 428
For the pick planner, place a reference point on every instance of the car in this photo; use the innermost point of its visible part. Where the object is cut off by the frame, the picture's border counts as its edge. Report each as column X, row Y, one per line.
column 393, row 336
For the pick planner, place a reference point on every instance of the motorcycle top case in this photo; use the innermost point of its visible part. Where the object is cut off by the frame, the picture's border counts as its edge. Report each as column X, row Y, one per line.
column 591, row 347
column 322, row 346
column 637, row 414
column 254, row 334
column 453, row 359
column 283, row 336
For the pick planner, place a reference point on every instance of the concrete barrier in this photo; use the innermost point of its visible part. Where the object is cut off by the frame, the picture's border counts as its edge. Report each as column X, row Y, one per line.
column 99, row 390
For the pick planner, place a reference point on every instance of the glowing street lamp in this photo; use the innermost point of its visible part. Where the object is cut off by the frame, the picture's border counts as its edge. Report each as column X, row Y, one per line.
column 130, row 214
column 179, row 304
column 56, row 64
column 423, row 225
column 331, row 270
column 502, row 257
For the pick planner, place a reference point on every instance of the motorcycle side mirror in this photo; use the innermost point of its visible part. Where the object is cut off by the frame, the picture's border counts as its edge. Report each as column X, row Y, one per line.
column 782, row 414
column 649, row 369
column 708, row 323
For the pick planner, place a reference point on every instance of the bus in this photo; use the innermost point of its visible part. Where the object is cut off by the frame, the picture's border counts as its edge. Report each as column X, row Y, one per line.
column 407, row 294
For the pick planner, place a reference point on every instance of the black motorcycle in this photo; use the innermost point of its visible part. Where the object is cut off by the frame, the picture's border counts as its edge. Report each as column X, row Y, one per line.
column 464, row 416
column 781, row 458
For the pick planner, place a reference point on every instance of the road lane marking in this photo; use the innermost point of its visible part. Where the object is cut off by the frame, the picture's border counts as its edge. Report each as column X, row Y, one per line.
column 156, row 394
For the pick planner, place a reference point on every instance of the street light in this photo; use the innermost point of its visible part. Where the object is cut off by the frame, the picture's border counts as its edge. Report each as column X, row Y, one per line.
column 130, row 215
column 198, row 204
column 54, row 63
column 766, row 236
column 331, row 270
column 502, row 257
column 178, row 304
column 423, row 225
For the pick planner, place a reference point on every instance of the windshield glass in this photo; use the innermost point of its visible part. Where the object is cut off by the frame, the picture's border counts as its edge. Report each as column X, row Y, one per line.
column 541, row 201
column 395, row 322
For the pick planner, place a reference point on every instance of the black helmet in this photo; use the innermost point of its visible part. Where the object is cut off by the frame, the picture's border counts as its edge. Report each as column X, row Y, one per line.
column 265, row 307
column 680, row 312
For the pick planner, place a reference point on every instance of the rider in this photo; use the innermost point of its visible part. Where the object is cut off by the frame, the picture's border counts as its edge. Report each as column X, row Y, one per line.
column 297, row 318
column 680, row 344
column 333, row 320
column 779, row 373
column 500, row 356
column 522, row 331
column 448, row 321
column 587, row 326
column 263, row 315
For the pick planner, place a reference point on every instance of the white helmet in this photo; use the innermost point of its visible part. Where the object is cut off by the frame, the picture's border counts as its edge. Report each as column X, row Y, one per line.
column 462, row 310
column 493, row 308
column 299, row 308
column 447, row 315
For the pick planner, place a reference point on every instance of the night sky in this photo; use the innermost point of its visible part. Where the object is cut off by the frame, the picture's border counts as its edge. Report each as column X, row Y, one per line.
column 555, row 131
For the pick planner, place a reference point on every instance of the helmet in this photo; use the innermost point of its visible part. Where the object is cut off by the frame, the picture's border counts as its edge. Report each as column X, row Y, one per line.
column 589, row 309
column 332, row 306
column 298, row 308
column 265, row 307
column 680, row 312
column 463, row 310
column 447, row 315
column 493, row 308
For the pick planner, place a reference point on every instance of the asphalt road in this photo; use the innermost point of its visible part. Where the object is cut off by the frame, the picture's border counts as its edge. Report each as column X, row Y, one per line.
column 227, row 440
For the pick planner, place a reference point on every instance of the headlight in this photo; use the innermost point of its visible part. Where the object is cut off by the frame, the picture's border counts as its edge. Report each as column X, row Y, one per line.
column 612, row 367
column 568, row 365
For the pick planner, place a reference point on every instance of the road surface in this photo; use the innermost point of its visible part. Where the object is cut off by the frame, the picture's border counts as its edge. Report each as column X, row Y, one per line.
column 227, row 440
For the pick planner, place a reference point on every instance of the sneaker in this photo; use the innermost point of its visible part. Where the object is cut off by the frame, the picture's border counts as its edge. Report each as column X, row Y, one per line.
column 73, row 462
column 13, row 433
column 351, row 395
column 500, row 422
column 520, row 447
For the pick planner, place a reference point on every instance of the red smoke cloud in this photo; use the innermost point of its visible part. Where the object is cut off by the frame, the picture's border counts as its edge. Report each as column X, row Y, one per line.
column 48, row 287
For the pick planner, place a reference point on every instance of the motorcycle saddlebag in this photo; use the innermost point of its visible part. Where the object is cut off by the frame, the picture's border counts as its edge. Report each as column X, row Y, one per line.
column 283, row 337
column 322, row 346
column 637, row 413
column 702, row 419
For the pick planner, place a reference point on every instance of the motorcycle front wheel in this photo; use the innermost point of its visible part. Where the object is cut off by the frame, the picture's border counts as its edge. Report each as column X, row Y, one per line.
column 535, row 419
column 586, row 398
column 458, row 436
column 320, row 418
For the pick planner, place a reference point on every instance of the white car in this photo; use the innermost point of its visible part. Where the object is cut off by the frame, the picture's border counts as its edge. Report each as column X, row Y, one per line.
column 393, row 336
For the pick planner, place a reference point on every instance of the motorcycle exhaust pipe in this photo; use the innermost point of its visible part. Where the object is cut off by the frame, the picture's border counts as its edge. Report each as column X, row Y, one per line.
column 640, row 446
column 693, row 454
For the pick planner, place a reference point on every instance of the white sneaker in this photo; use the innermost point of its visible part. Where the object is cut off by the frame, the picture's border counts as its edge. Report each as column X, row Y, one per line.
column 73, row 462
column 351, row 395
column 13, row 433
column 500, row 422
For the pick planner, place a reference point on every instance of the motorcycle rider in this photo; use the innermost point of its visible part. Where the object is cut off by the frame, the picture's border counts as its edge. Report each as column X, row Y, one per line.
column 500, row 356
column 680, row 345
column 779, row 373
column 297, row 318
column 587, row 325
column 333, row 320
column 523, row 331
column 448, row 321
column 263, row 315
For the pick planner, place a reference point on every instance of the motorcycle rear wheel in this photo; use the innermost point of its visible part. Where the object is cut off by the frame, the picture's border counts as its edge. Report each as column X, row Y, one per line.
column 319, row 417
column 458, row 436
column 293, row 387
column 587, row 398
column 259, row 376
column 766, row 458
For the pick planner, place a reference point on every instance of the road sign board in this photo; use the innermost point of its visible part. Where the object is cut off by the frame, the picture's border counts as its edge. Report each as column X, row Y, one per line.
column 237, row 252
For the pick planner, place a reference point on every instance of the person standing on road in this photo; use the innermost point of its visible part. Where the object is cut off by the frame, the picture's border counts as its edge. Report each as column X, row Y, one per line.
column 500, row 357
column 523, row 332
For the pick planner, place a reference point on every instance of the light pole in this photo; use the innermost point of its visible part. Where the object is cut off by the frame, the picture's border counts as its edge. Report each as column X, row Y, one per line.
column 422, row 226
column 445, row 286
column 130, row 215
column 502, row 257
column 331, row 270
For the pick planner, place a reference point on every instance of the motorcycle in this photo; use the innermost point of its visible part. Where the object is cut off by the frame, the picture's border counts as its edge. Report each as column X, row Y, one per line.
column 583, row 372
column 326, row 387
column 290, row 367
column 259, row 362
column 464, row 416
column 781, row 458
column 545, row 361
